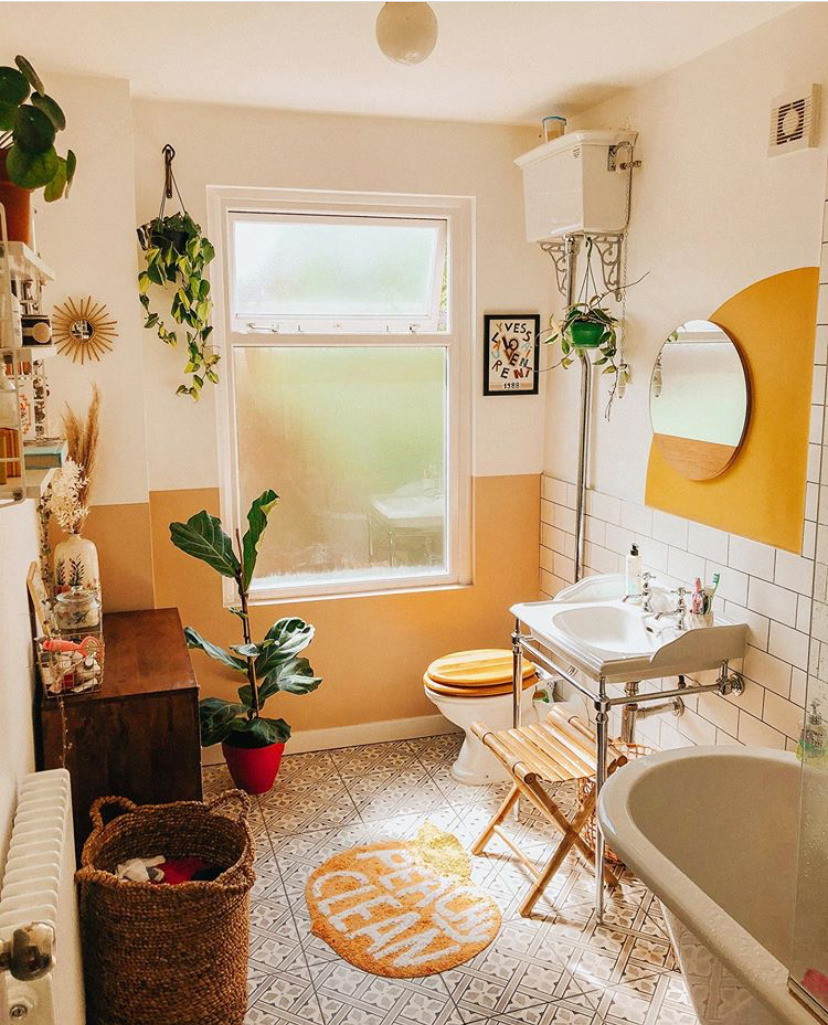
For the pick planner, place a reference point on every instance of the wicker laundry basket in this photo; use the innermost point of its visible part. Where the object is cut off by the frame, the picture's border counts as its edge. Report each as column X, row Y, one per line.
column 167, row 954
column 587, row 785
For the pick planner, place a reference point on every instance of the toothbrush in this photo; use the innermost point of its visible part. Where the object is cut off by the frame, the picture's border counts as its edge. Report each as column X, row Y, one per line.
column 696, row 601
column 709, row 593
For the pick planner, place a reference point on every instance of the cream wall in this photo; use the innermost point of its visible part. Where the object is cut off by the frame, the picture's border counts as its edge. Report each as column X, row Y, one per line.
column 89, row 240
column 223, row 145
column 711, row 214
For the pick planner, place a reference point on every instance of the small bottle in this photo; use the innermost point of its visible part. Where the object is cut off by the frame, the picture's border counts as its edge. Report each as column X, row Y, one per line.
column 632, row 573
column 812, row 738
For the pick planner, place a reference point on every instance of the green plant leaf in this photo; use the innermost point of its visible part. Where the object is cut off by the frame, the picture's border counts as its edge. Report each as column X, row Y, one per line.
column 203, row 538
column 8, row 112
column 31, row 170
column 216, row 717
column 261, row 732
column 30, row 74
column 195, row 640
column 247, row 650
column 71, row 167
column 257, row 521
column 14, row 89
column 33, row 131
column 289, row 636
column 294, row 677
column 54, row 190
column 51, row 109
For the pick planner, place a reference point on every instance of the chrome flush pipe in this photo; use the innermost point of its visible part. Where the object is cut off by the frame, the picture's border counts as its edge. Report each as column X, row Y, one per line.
column 570, row 253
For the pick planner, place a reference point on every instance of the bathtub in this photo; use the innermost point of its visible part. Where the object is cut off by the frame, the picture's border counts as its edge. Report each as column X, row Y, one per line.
column 712, row 831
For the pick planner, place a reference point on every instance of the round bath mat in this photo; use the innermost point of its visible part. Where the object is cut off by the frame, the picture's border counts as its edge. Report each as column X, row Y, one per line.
column 402, row 908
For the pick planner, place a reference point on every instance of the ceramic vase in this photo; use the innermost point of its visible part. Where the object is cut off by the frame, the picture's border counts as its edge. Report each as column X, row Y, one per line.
column 76, row 565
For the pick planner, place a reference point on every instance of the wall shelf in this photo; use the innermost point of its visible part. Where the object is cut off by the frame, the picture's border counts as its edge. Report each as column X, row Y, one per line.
column 24, row 263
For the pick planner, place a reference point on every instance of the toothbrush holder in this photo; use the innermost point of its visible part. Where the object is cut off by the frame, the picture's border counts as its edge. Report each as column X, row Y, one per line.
column 696, row 621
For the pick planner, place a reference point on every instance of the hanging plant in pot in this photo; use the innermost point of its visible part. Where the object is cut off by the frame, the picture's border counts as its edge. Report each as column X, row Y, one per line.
column 251, row 742
column 176, row 255
column 29, row 122
column 585, row 328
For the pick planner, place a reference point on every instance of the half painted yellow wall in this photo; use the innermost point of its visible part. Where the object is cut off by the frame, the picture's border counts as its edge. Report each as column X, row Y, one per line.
column 371, row 650
column 762, row 493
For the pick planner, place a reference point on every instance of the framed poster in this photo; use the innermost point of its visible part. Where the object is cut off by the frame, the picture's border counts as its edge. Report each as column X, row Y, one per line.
column 511, row 353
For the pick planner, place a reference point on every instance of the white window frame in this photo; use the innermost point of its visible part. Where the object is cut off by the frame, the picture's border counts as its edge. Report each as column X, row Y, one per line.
column 312, row 324
column 457, row 340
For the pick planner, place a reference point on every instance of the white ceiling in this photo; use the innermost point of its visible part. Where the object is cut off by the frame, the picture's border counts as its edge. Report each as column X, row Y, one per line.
column 509, row 62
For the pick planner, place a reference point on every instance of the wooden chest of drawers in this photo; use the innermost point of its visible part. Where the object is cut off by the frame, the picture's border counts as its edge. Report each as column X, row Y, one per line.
column 138, row 736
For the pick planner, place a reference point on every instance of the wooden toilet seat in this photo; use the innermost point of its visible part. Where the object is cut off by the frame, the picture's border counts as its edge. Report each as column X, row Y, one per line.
column 466, row 691
column 482, row 668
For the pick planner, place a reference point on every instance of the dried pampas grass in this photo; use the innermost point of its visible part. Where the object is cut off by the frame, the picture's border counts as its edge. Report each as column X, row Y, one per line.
column 82, row 435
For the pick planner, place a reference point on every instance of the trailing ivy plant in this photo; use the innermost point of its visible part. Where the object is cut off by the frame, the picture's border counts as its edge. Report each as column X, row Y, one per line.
column 176, row 255
column 269, row 666
column 28, row 130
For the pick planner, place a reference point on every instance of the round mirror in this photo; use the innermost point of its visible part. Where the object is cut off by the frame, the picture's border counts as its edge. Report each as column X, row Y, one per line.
column 699, row 400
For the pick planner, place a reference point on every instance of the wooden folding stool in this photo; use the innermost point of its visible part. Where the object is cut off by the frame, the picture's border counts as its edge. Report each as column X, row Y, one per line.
column 560, row 749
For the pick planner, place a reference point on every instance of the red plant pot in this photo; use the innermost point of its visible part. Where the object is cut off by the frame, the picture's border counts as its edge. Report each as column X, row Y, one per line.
column 18, row 206
column 253, row 769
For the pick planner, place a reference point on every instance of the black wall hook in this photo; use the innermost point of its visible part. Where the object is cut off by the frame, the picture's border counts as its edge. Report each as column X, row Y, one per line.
column 169, row 156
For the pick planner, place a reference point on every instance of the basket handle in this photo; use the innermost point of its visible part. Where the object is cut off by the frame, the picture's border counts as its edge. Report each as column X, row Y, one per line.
column 232, row 804
column 95, row 812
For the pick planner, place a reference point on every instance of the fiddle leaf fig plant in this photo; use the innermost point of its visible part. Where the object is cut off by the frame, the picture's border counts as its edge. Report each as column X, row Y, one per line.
column 269, row 666
column 176, row 255
column 29, row 123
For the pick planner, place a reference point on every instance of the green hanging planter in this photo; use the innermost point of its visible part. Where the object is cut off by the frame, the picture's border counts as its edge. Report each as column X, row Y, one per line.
column 585, row 334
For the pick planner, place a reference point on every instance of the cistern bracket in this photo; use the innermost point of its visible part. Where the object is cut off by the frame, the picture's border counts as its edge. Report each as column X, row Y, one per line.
column 608, row 246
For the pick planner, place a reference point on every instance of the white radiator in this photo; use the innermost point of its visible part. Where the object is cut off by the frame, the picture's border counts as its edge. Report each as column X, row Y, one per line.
column 39, row 886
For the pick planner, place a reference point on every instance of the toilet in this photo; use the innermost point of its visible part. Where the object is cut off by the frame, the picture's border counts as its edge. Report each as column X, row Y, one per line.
column 476, row 686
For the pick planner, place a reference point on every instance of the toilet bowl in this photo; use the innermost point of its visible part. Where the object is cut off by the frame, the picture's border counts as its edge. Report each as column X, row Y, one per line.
column 475, row 686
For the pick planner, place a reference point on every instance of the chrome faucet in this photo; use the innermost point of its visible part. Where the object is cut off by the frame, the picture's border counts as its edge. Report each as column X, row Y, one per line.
column 680, row 611
column 646, row 592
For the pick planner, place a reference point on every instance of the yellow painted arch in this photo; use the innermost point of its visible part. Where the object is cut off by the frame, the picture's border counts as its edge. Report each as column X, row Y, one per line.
column 762, row 494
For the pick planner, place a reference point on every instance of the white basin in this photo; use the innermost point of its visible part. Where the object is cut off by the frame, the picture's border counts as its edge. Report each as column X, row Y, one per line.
column 607, row 627
column 608, row 639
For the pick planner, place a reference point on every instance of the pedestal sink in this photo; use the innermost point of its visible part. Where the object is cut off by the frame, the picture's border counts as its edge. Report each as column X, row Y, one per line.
column 592, row 638
column 610, row 640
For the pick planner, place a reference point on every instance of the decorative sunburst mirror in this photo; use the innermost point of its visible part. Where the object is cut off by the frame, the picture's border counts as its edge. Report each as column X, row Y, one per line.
column 83, row 330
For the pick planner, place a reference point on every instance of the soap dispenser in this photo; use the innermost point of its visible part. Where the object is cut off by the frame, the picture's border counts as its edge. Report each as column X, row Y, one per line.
column 632, row 573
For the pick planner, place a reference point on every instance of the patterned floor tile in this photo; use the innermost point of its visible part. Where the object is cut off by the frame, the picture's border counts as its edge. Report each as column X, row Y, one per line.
column 561, row 967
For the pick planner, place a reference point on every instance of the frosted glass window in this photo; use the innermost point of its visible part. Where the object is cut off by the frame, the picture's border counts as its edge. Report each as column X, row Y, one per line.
column 353, row 438
column 327, row 272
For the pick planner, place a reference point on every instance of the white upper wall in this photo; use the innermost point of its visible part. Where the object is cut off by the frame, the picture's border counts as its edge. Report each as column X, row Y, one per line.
column 221, row 145
column 712, row 213
column 89, row 240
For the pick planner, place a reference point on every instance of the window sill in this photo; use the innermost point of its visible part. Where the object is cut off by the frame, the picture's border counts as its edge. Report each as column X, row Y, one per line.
column 350, row 595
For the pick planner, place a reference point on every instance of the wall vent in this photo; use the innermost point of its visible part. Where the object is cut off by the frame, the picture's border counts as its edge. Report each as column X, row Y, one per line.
column 794, row 121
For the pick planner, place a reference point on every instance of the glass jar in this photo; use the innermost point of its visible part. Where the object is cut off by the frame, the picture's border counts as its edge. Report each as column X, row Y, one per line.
column 76, row 611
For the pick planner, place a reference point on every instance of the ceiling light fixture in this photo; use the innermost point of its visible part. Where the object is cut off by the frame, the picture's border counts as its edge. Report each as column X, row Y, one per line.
column 406, row 33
